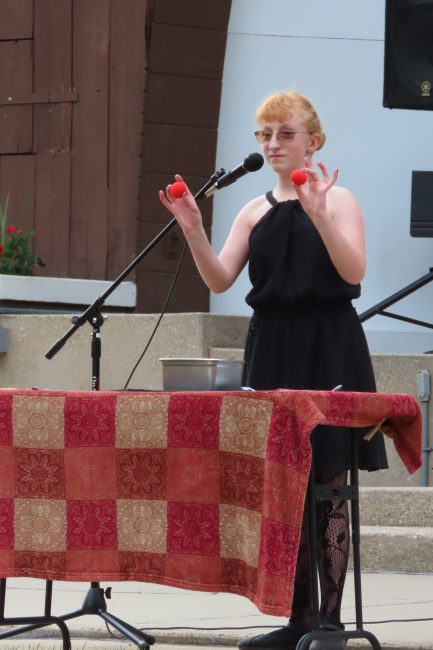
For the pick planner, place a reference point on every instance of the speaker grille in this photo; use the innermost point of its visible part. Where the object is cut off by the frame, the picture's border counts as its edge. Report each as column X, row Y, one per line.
column 408, row 75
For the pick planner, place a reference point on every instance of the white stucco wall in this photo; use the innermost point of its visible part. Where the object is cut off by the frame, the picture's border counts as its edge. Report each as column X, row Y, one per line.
column 334, row 53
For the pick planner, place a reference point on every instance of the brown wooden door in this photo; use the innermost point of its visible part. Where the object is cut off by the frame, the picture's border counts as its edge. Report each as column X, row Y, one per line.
column 72, row 76
column 101, row 101
column 35, row 123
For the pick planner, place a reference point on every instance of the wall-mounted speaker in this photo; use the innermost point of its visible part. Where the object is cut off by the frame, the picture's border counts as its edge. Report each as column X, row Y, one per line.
column 408, row 78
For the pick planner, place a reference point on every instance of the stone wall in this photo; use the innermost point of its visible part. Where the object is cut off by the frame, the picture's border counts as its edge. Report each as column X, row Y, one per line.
column 123, row 339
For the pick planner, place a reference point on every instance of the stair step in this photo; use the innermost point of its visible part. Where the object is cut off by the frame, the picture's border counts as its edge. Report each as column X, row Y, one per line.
column 396, row 506
column 402, row 549
column 236, row 354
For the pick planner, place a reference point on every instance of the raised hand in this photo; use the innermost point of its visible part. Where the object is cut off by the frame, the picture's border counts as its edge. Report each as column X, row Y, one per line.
column 312, row 196
column 183, row 208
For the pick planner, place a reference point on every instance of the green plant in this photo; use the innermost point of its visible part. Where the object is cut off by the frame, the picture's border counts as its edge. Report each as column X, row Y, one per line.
column 16, row 257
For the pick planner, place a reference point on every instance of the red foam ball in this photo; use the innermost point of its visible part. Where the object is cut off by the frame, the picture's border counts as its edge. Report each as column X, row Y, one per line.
column 178, row 189
column 298, row 177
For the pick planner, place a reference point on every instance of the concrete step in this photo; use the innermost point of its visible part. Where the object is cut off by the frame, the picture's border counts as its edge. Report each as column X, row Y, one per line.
column 396, row 506
column 236, row 354
column 397, row 549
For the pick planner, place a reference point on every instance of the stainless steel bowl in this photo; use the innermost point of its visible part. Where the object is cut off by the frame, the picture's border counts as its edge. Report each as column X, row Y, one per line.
column 182, row 374
column 229, row 374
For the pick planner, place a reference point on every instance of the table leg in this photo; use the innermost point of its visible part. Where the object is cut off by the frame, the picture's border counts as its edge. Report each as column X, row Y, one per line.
column 345, row 492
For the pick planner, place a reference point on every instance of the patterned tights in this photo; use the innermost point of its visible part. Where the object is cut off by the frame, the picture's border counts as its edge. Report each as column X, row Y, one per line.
column 333, row 551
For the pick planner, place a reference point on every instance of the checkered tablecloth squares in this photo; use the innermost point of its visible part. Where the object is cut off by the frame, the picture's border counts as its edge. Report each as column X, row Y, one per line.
column 197, row 490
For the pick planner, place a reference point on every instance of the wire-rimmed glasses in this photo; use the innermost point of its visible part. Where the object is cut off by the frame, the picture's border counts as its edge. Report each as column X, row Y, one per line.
column 263, row 137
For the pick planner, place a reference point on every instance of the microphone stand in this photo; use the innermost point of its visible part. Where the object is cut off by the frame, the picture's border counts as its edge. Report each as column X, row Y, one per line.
column 92, row 313
column 94, row 602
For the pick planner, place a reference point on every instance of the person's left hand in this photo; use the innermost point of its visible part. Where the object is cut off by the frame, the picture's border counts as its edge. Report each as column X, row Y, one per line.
column 313, row 197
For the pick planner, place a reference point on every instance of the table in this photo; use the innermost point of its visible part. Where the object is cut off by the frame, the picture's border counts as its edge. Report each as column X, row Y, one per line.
column 202, row 491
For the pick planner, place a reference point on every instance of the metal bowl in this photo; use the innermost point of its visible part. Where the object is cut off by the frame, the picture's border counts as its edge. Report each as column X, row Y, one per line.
column 229, row 374
column 183, row 374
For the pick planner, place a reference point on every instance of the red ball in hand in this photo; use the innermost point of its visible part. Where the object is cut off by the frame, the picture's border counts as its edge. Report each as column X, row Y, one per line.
column 178, row 189
column 298, row 177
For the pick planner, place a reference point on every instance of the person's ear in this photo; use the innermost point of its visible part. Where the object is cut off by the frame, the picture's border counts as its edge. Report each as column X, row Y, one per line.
column 315, row 142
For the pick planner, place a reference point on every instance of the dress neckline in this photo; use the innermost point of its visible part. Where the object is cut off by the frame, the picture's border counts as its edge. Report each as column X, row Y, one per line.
column 273, row 201
column 271, row 198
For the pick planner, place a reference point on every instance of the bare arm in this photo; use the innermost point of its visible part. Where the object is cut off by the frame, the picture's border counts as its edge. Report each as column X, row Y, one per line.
column 217, row 271
column 338, row 218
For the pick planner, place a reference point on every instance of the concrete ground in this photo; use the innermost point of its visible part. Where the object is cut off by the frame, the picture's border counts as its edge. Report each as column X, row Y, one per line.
column 395, row 607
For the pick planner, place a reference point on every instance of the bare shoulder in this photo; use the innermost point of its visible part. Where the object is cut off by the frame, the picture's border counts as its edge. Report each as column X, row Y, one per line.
column 340, row 199
column 340, row 194
column 254, row 210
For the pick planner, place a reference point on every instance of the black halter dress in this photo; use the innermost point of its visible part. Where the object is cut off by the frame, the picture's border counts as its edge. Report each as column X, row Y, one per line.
column 304, row 332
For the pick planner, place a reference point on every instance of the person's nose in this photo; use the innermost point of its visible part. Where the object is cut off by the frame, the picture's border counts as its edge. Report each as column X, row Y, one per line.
column 274, row 142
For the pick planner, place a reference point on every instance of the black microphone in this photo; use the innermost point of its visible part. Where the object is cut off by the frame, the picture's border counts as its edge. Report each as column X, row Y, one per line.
column 252, row 163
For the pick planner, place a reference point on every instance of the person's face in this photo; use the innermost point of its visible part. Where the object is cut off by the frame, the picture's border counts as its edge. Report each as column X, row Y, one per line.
column 285, row 144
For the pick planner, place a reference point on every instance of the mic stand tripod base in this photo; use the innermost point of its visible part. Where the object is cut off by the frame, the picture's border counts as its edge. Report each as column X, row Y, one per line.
column 94, row 603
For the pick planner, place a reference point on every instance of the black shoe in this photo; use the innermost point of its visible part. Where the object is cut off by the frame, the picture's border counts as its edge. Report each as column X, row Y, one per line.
column 325, row 644
column 285, row 638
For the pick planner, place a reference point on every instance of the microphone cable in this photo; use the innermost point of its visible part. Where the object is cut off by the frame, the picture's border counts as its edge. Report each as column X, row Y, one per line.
column 253, row 162
column 163, row 310
column 253, row 627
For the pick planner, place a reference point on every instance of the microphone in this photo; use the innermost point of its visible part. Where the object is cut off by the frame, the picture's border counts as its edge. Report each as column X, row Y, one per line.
column 252, row 163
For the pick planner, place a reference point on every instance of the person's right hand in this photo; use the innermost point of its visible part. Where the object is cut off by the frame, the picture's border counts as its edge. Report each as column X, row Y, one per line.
column 184, row 209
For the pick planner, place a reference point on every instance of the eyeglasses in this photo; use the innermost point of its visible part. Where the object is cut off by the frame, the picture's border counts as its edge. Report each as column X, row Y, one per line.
column 264, row 137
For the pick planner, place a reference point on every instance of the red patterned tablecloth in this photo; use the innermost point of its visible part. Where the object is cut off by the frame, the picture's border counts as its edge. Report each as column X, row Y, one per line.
column 196, row 490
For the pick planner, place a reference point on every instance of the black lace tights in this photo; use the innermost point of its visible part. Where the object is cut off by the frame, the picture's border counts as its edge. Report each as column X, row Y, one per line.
column 333, row 551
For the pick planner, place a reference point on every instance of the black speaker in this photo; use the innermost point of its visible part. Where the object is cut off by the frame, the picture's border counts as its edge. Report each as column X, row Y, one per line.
column 408, row 78
column 421, row 205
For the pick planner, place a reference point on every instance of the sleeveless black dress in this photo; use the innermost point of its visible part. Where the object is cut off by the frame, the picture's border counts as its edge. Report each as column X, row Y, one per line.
column 304, row 332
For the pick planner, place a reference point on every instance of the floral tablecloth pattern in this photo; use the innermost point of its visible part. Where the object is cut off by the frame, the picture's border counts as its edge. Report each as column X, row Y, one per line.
column 196, row 490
